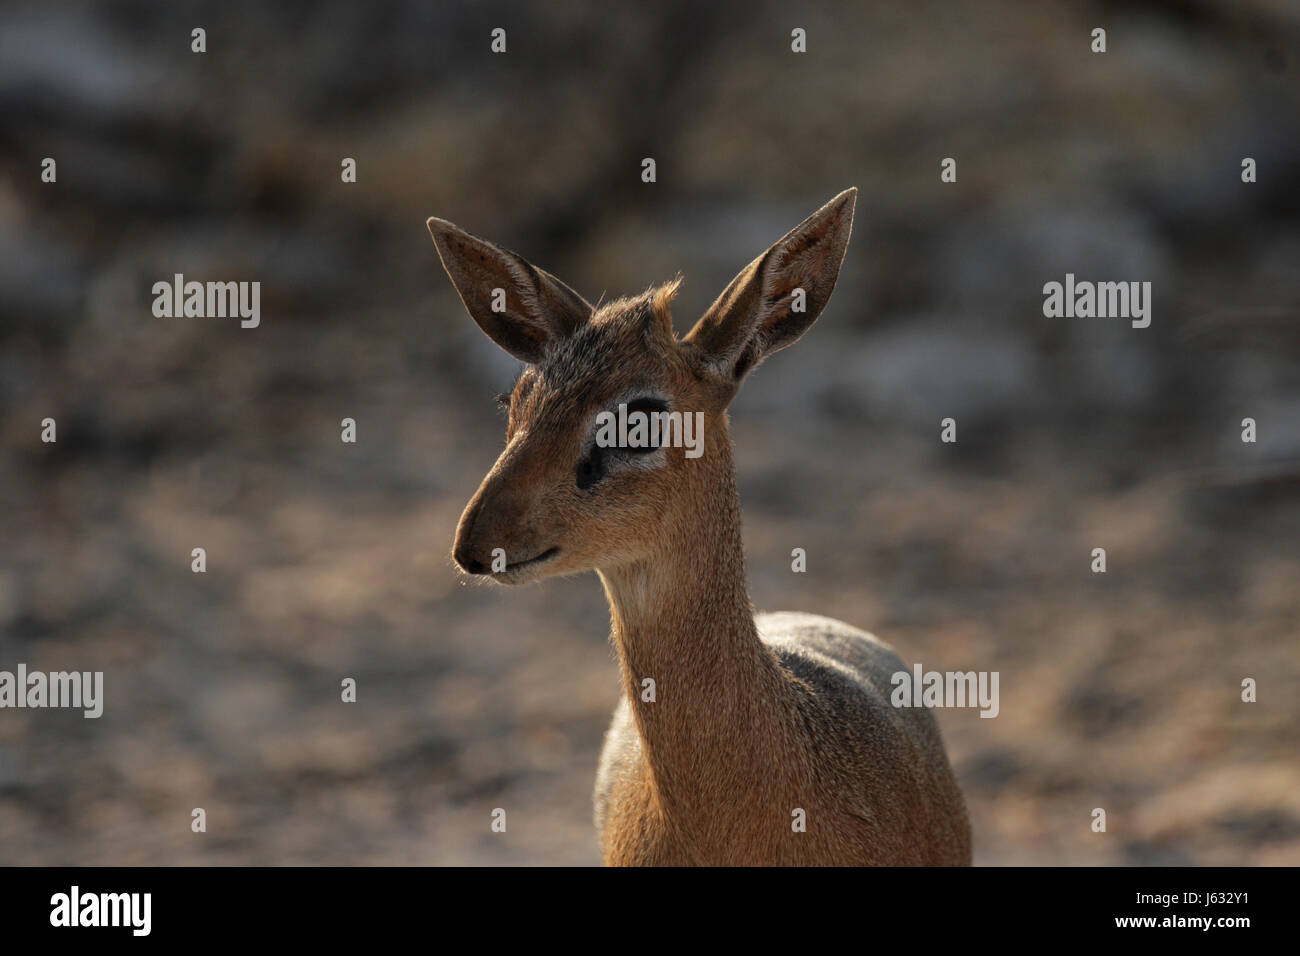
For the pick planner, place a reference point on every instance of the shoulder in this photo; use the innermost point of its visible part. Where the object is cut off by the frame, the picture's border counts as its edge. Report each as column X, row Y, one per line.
column 828, row 642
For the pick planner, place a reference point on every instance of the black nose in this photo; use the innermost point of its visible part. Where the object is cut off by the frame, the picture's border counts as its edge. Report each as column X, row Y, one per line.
column 468, row 564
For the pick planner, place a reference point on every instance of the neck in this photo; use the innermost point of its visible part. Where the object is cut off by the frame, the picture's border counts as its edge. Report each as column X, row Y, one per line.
column 682, row 618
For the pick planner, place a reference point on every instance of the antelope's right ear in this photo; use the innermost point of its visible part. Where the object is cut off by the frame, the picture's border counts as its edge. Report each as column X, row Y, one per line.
column 778, row 296
column 522, row 308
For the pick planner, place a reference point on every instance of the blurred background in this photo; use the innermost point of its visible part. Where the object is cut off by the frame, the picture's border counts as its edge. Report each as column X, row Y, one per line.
column 328, row 560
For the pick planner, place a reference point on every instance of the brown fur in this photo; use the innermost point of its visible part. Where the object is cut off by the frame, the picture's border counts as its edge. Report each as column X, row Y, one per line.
column 754, row 717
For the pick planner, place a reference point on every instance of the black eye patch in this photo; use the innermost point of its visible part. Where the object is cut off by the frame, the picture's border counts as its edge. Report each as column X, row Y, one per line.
column 591, row 468
column 594, row 465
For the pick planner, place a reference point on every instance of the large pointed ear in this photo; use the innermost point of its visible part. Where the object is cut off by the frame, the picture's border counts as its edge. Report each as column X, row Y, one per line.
column 778, row 296
column 522, row 308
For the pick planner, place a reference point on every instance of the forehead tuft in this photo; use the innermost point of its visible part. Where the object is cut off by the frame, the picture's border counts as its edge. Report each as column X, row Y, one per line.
column 619, row 337
column 655, row 302
column 661, row 301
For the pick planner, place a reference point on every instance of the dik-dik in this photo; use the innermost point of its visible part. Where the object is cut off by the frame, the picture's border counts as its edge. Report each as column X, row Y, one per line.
column 770, row 739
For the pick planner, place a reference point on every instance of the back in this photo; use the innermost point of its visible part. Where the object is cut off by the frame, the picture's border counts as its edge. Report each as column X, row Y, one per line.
column 876, row 783
column 889, row 760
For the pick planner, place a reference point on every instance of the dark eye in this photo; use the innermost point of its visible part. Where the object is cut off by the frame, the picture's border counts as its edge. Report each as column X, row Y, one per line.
column 648, row 406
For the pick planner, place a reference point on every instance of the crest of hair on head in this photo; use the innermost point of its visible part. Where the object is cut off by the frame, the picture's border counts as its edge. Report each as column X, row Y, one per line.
column 662, row 301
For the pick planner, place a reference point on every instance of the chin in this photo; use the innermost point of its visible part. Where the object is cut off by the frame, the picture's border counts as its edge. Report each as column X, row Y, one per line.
column 552, row 569
column 550, row 564
column 517, row 578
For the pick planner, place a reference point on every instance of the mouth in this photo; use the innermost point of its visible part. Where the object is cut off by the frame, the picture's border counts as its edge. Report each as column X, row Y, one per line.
column 533, row 561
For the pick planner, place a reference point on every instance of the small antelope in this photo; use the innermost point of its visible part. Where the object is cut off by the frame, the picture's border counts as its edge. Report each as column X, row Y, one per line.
column 765, row 739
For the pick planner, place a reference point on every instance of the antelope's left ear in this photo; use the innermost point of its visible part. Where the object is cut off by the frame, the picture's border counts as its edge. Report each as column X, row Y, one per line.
column 522, row 308
column 778, row 296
